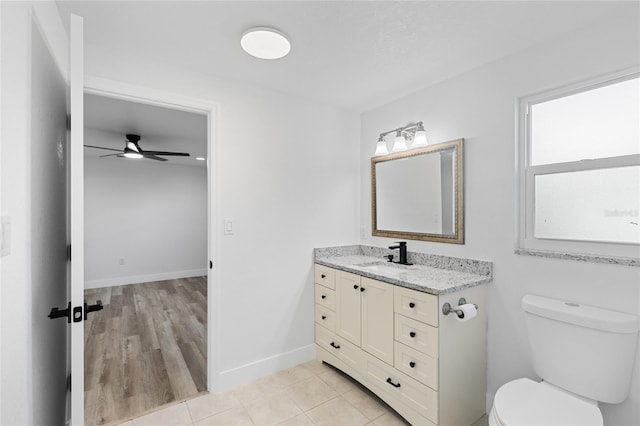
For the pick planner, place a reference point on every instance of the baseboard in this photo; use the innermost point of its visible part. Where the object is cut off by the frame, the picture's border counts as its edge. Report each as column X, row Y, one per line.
column 231, row 378
column 136, row 279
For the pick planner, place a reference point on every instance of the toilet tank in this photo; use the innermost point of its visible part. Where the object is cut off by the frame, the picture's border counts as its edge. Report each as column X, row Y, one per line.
column 586, row 350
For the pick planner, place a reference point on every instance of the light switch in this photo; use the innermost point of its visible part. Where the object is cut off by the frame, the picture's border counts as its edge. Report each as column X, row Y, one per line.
column 228, row 227
column 5, row 235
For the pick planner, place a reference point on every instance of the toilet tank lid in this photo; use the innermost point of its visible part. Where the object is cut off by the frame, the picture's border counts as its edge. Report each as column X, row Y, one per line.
column 582, row 315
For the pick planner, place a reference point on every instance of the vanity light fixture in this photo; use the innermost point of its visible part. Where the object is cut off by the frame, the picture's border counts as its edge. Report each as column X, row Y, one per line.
column 411, row 132
column 265, row 43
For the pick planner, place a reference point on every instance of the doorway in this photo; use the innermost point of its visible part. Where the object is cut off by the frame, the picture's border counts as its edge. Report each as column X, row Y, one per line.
column 146, row 256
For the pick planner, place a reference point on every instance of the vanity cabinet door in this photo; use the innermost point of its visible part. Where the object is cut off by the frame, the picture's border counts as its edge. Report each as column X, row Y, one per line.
column 377, row 319
column 348, row 306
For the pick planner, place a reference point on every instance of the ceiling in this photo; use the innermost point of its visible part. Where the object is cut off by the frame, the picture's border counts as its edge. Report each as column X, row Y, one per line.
column 352, row 54
column 108, row 120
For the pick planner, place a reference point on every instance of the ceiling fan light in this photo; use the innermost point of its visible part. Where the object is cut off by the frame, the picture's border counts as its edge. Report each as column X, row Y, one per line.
column 133, row 155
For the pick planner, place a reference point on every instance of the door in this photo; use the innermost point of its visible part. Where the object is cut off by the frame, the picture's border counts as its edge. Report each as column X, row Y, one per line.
column 49, row 233
column 348, row 306
column 377, row 319
column 76, row 196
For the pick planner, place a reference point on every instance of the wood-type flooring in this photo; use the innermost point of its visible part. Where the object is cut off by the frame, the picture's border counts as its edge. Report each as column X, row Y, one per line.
column 146, row 348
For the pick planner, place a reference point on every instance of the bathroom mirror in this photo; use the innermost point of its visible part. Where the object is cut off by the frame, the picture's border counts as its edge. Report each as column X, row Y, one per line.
column 418, row 194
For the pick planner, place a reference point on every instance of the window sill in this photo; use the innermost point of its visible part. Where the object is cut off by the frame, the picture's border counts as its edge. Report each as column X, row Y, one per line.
column 625, row 261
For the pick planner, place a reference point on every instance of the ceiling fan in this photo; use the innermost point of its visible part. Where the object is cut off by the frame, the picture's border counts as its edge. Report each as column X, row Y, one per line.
column 132, row 150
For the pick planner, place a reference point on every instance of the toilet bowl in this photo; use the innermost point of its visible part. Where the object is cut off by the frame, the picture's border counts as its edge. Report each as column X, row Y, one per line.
column 524, row 402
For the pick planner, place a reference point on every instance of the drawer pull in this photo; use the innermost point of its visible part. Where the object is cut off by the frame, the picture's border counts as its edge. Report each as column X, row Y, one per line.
column 395, row 385
column 355, row 286
column 412, row 334
column 324, row 317
column 324, row 296
column 412, row 305
column 361, row 288
column 412, row 364
column 334, row 345
column 323, row 276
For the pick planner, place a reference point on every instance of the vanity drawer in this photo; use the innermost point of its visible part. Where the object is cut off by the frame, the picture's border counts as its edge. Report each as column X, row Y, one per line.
column 340, row 347
column 419, row 336
column 417, row 305
column 326, row 317
column 325, row 276
column 421, row 398
column 416, row 365
column 325, row 297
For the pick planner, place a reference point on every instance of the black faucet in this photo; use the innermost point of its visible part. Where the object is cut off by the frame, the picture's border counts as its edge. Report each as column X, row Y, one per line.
column 402, row 245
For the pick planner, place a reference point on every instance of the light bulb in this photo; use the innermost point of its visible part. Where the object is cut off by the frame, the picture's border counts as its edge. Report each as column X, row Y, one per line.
column 132, row 155
column 400, row 144
column 381, row 147
column 420, row 138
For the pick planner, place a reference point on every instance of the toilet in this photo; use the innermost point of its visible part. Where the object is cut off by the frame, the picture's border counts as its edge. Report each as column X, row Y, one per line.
column 583, row 354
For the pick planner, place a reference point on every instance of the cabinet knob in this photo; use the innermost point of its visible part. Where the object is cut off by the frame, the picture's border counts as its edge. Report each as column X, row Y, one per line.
column 334, row 345
column 323, row 276
column 412, row 364
column 324, row 317
column 361, row 288
column 324, row 296
column 412, row 305
column 412, row 334
column 355, row 287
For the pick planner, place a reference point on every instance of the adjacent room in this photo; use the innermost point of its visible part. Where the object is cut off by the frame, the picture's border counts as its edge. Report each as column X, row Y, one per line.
column 391, row 213
column 145, row 257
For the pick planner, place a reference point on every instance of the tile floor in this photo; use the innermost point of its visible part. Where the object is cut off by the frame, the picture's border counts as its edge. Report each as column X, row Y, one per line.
column 308, row 394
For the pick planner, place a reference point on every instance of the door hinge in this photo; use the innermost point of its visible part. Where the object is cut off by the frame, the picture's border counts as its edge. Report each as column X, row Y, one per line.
column 68, row 252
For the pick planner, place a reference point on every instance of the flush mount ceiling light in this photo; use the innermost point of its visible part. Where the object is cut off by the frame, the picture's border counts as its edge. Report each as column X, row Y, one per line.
column 411, row 132
column 265, row 43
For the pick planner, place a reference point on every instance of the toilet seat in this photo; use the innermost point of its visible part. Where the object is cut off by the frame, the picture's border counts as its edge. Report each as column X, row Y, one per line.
column 523, row 402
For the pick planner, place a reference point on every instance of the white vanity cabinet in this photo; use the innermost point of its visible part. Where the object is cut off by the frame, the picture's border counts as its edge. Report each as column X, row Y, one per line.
column 364, row 314
column 429, row 367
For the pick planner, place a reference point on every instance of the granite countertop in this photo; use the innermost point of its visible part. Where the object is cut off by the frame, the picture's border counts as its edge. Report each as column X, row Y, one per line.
column 424, row 278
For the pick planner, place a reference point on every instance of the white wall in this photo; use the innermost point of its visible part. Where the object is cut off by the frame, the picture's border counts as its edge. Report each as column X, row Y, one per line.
column 154, row 216
column 16, row 284
column 286, row 171
column 479, row 106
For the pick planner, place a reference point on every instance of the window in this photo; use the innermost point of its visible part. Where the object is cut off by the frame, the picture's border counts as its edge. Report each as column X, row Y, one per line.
column 579, row 169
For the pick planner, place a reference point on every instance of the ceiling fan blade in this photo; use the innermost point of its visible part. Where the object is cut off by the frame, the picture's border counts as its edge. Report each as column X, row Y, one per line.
column 167, row 153
column 153, row 157
column 110, row 155
column 100, row 147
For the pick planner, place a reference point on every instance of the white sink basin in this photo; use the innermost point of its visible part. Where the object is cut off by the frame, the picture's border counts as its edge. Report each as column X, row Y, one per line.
column 385, row 268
